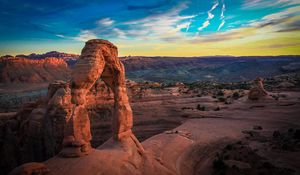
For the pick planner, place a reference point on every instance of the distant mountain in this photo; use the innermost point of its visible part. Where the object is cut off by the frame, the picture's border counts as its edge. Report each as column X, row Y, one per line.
column 69, row 58
column 23, row 70
column 220, row 69
column 157, row 69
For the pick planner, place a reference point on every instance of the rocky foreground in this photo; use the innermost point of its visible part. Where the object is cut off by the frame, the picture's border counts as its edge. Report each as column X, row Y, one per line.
column 243, row 138
column 198, row 114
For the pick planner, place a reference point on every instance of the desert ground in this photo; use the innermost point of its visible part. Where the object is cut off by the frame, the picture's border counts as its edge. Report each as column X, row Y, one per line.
column 196, row 128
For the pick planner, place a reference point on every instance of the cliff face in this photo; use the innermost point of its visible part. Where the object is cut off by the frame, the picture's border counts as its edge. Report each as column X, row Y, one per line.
column 22, row 70
column 70, row 59
column 55, row 54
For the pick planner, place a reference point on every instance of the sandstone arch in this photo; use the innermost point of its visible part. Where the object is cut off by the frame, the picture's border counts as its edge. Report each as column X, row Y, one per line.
column 99, row 59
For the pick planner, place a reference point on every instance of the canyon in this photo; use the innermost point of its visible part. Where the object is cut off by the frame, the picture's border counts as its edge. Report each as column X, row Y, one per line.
column 160, row 69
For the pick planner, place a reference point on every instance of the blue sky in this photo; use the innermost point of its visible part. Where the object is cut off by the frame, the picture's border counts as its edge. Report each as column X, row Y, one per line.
column 152, row 27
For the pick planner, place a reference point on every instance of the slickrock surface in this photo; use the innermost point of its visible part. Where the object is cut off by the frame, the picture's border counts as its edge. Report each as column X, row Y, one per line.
column 192, row 148
column 30, row 169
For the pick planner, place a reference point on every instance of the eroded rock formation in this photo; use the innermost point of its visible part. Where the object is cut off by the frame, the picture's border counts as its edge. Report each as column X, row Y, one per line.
column 99, row 59
column 23, row 70
column 257, row 92
column 60, row 123
column 58, row 111
column 36, row 132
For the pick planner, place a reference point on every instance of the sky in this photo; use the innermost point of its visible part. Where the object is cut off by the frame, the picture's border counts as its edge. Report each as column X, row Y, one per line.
column 152, row 27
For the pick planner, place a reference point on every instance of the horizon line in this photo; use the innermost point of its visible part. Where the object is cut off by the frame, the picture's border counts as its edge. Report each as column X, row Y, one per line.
column 14, row 55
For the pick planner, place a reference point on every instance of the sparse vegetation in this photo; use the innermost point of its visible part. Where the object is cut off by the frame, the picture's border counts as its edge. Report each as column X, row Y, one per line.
column 236, row 95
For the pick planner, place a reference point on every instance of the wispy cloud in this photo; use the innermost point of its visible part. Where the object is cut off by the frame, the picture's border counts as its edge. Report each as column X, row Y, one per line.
column 165, row 26
column 278, row 21
column 188, row 26
column 60, row 36
column 290, row 27
column 276, row 46
column 85, row 35
column 251, row 4
column 171, row 26
column 271, row 26
column 222, row 16
column 210, row 16
column 105, row 22
column 120, row 34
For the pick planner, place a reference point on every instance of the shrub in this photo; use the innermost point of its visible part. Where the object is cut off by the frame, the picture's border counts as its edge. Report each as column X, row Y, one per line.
column 236, row 95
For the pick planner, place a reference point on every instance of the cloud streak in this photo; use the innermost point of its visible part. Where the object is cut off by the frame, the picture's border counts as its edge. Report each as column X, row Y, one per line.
column 210, row 16
column 184, row 27
column 168, row 26
column 84, row 36
column 105, row 22
column 222, row 16
column 254, row 4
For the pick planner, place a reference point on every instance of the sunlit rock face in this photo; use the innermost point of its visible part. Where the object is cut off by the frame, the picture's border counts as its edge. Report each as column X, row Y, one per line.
column 22, row 70
column 60, row 122
column 99, row 59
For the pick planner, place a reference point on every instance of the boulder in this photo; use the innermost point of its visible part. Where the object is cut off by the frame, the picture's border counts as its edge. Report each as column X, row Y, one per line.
column 258, row 92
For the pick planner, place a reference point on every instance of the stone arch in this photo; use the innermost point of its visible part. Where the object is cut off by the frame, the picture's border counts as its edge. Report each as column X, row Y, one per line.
column 99, row 59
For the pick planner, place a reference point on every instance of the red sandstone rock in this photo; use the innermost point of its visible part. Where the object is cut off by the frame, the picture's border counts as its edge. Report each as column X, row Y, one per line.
column 62, row 119
column 59, row 110
column 36, row 132
column 257, row 92
column 32, row 168
column 22, row 70
column 99, row 59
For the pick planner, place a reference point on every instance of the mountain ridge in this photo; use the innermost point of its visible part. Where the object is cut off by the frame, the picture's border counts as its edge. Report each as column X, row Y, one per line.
column 22, row 70
column 177, row 69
